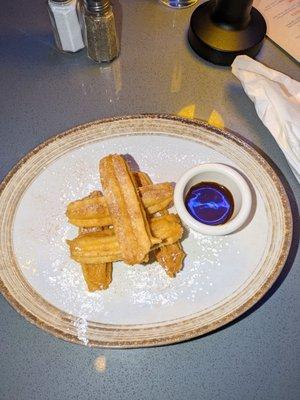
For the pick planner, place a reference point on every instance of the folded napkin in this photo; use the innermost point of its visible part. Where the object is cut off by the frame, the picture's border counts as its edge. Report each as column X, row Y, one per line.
column 277, row 101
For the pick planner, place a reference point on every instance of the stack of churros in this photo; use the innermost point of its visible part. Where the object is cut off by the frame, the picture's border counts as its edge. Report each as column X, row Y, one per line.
column 125, row 223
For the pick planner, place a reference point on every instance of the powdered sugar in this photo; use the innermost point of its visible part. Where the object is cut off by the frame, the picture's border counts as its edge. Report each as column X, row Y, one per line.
column 213, row 269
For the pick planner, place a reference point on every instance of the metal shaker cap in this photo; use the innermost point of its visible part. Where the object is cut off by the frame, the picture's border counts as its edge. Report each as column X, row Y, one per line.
column 60, row 1
column 99, row 6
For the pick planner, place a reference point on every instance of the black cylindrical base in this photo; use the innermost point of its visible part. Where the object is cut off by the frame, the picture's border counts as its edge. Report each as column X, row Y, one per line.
column 220, row 42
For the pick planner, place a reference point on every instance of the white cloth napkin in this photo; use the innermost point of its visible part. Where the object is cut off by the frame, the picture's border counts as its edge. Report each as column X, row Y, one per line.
column 277, row 101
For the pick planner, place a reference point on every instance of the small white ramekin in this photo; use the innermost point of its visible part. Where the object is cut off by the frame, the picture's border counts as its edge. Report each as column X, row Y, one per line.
column 223, row 175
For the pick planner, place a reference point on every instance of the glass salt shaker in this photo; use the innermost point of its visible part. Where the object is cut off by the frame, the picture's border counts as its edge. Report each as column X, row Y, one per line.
column 65, row 25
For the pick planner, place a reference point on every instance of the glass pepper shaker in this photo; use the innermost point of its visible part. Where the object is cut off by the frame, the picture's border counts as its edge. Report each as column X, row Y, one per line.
column 65, row 25
column 100, row 30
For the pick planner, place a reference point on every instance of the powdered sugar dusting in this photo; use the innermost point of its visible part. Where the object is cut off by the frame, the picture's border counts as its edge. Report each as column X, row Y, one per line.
column 81, row 325
column 214, row 267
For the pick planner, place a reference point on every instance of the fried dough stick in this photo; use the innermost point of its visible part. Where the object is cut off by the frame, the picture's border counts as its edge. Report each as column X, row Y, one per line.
column 103, row 246
column 129, row 220
column 170, row 256
column 97, row 276
column 93, row 210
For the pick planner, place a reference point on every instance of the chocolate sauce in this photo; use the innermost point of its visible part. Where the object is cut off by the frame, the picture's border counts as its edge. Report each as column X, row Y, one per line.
column 209, row 203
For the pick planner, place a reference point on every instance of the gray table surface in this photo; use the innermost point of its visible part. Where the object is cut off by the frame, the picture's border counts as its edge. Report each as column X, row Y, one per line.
column 43, row 93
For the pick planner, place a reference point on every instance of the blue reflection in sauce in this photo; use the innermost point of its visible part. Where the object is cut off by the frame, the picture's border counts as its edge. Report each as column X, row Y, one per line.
column 209, row 203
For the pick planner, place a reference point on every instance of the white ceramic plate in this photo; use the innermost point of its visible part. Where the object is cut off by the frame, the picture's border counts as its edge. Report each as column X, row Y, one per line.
column 222, row 276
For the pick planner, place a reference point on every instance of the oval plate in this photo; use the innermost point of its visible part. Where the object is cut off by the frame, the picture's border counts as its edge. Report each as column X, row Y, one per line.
column 222, row 276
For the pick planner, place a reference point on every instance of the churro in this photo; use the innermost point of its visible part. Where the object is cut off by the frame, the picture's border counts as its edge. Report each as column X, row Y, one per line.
column 169, row 256
column 97, row 276
column 93, row 210
column 127, row 213
column 126, row 223
column 103, row 246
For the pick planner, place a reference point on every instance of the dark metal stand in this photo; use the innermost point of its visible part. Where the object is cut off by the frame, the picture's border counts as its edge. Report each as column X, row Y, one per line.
column 222, row 29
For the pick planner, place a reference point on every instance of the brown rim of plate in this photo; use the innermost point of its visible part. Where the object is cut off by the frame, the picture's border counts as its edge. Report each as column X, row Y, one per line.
column 190, row 333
